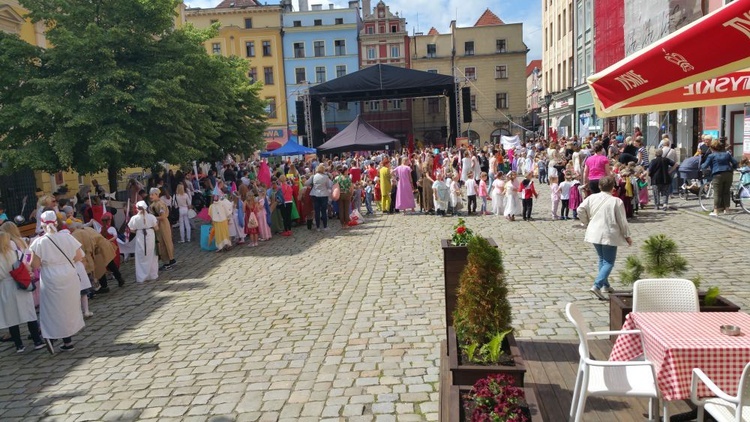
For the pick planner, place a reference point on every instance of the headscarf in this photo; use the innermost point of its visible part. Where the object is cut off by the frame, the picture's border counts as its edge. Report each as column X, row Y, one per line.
column 141, row 206
column 49, row 221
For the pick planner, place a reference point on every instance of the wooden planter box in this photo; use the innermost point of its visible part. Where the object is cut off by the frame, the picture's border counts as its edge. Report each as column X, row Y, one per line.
column 451, row 404
column 470, row 373
column 621, row 304
column 454, row 261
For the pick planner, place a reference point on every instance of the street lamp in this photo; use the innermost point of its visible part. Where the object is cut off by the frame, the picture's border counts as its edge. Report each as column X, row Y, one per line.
column 547, row 102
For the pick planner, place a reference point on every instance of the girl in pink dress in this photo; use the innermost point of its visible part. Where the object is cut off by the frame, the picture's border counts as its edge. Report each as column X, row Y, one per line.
column 264, row 231
column 251, row 220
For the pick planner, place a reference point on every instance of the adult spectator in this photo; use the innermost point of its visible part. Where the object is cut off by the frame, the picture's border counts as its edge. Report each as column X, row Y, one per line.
column 704, row 149
column 607, row 228
column 60, row 304
column 642, row 152
column 660, row 171
column 722, row 166
column 596, row 167
column 17, row 305
column 629, row 147
column 321, row 188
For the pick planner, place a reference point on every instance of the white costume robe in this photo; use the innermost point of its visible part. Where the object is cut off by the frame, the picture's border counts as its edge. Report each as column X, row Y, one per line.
column 146, row 260
column 60, row 300
column 16, row 306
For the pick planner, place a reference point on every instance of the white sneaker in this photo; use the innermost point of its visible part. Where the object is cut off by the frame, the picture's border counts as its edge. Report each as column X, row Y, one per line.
column 598, row 293
column 88, row 314
column 713, row 214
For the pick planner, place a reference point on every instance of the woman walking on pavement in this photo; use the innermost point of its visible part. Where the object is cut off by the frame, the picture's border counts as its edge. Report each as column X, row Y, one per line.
column 607, row 228
column 60, row 310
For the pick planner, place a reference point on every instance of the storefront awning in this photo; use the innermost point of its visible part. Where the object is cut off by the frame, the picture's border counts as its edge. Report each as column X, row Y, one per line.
column 709, row 48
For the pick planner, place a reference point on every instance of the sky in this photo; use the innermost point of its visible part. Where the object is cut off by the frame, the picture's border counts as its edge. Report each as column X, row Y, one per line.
column 421, row 15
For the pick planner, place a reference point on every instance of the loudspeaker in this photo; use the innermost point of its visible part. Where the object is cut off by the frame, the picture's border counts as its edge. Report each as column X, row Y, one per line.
column 316, row 120
column 299, row 107
column 444, row 132
column 466, row 102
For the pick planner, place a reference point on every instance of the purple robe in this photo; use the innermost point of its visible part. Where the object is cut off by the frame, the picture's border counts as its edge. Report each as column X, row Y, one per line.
column 405, row 191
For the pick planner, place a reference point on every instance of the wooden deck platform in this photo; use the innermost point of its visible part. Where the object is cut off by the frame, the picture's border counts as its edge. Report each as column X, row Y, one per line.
column 551, row 371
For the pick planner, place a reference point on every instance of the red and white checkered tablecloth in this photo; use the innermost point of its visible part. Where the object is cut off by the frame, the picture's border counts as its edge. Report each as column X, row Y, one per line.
column 677, row 342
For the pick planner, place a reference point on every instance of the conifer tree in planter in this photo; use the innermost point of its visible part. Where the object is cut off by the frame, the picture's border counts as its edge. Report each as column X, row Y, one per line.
column 660, row 259
column 482, row 342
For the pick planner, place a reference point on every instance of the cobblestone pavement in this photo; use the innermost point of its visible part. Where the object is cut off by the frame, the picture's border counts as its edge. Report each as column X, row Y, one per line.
column 337, row 325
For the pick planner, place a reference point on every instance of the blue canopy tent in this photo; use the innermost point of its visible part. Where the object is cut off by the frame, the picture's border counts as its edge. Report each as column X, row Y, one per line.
column 289, row 148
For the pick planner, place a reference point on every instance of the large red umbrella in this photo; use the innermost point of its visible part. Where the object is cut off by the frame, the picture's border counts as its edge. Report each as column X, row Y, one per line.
column 710, row 47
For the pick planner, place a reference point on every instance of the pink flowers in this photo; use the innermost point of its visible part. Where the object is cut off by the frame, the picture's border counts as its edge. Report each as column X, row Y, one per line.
column 495, row 399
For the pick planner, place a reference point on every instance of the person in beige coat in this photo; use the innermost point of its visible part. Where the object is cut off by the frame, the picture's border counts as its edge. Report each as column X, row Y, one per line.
column 100, row 254
column 607, row 228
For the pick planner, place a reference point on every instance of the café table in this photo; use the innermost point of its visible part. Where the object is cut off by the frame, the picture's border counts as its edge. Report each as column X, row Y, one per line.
column 677, row 342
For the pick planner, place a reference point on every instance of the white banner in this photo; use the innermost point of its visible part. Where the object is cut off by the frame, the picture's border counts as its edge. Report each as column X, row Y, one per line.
column 510, row 141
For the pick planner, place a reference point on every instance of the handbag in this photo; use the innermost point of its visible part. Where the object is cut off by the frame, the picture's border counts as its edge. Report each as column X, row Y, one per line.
column 22, row 276
column 335, row 192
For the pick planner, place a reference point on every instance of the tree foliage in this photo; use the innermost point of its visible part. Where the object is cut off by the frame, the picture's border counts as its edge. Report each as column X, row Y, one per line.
column 483, row 309
column 121, row 87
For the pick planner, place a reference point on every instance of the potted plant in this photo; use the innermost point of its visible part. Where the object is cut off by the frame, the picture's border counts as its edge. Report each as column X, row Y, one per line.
column 482, row 342
column 455, row 254
column 495, row 398
column 660, row 259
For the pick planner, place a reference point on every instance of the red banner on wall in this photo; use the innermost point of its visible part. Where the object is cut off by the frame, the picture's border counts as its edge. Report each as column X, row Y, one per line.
column 609, row 34
column 709, row 47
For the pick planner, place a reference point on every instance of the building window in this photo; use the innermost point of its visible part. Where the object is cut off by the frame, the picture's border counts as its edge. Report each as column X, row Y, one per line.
column 470, row 73
column 248, row 23
column 299, row 50
column 431, row 50
column 397, row 104
column 473, row 102
column 500, row 46
column 501, row 72
column 271, row 107
column 340, row 70
column 253, row 74
column 371, row 53
column 395, row 51
column 501, row 100
column 339, row 47
column 266, row 48
column 394, row 28
column 268, row 75
column 343, row 106
column 433, row 105
column 370, row 30
column 339, row 21
column 299, row 75
column 320, row 74
column 216, row 48
column 319, row 48
column 296, row 24
column 318, row 22
column 250, row 48
column 382, row 29
column 469, row 48
column 432, row 71
column 374, row 105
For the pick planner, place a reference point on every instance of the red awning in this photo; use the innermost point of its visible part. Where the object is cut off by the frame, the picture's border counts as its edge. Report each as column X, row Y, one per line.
column 273, row 145
column 711, row 47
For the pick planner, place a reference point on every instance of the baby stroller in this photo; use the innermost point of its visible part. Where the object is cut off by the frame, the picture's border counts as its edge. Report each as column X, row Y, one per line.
column 692, row 177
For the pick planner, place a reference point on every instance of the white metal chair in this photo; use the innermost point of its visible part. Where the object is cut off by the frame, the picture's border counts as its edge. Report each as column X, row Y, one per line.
column 723, row 407
column 605, row 378
column 665, row 295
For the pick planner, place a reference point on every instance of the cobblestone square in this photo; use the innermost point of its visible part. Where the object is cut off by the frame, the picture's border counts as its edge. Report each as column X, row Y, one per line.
column 337, row 325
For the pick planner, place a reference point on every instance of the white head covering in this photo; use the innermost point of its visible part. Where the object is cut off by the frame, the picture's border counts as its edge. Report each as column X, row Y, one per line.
column 154, row 191
column 141, row 205
column 49, row 221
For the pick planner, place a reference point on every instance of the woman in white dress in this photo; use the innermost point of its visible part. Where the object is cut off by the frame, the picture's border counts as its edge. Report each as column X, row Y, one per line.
column 498, row 187
column 512, row 202
column 146, row 262
column 16, row 306
column 60, row 307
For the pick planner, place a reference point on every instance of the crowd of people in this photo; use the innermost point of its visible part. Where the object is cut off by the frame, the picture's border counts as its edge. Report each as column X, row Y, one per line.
column 601, row 180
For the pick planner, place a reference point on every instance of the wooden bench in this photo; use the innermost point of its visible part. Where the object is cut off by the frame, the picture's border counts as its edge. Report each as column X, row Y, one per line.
column 28, row 230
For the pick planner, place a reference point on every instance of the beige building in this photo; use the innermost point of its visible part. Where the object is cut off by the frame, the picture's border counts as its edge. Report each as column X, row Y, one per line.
column 252, row 31
column 490, row 59
column 558, row 64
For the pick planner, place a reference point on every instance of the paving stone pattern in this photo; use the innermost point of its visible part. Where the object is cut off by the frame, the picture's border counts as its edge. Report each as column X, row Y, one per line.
column 337, row 325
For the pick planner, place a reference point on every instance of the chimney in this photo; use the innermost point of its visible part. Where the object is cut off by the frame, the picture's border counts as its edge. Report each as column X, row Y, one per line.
column 354, row 4
column 366, row 9
column 330, row 6
column 286, row 6
column 303, row 5
column 317, row 7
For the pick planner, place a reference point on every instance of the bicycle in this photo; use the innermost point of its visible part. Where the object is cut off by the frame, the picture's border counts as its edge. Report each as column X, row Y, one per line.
column 706, row 196
column 741, row 194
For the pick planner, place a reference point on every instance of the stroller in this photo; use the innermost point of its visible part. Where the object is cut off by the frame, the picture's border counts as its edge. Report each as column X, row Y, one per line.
column 692, row 177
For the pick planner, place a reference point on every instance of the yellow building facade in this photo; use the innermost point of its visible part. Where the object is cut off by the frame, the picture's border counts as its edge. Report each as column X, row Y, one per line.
column 490, row 59
column 253, row 33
